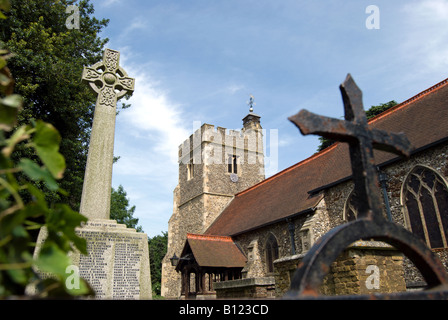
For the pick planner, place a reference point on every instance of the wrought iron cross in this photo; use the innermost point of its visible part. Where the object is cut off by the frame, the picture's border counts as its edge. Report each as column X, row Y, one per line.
column 361, row 139
column 370, row 223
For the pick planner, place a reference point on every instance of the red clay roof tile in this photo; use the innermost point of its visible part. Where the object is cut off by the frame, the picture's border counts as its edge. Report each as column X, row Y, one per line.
column 214, row 251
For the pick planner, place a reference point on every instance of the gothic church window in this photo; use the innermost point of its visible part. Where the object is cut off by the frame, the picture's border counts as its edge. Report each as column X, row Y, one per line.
column 350, row 211
column 232, row 164
column 425, row 201
column 271, row 252
column 305, row 239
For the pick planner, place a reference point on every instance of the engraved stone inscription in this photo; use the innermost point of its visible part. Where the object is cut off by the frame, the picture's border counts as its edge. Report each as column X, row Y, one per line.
column 126, row 269
column 112, row 266
column 94, row 266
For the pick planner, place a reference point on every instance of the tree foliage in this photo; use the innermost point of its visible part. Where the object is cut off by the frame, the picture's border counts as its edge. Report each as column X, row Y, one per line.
column 376, row 110
column 47, row 67
column 21, row 202
column 157, row 251
column 372, row 112
column 120, row 211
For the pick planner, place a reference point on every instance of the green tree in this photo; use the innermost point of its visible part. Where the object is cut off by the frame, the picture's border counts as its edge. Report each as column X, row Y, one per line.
column 120, row 211
column 21, row 202
column 372, row 112
column 157, row 251
column 47, row 67
column 376, row 110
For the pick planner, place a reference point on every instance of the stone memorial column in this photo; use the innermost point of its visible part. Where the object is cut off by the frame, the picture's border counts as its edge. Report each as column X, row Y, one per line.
column 111, row 83
column 117, row 264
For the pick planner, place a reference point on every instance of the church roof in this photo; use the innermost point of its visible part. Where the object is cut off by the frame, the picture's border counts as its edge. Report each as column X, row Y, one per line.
column 293, row 191
column 214, row 251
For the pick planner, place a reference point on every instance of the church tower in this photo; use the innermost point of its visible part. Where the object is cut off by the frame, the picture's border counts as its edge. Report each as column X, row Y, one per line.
column 214, row 165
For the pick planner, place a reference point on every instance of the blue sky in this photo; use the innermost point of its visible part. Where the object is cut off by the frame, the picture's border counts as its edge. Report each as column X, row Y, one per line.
column 199, row 60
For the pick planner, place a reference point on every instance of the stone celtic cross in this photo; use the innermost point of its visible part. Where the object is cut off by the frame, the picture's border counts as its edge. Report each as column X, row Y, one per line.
column 111, row 83
column 361, row 139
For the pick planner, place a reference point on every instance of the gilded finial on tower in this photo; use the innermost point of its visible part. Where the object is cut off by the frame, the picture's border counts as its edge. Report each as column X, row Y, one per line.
column 251, row 103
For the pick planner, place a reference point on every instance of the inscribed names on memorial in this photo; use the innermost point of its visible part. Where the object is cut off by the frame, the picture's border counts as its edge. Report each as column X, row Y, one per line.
column 117, row 266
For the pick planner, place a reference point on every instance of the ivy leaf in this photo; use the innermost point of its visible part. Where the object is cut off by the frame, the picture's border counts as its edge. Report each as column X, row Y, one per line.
column 2, row 63
column 64, row 220
column 20, row 232
column 46, row 142
column 39, row 205
column 36, row 173
column 56, row 262
column 53, row 260
column 5, row 81
column 11, row 221
column 75, row 285
column 18, row 276
column 5, row 5
column 9, row 108
column 19, row 135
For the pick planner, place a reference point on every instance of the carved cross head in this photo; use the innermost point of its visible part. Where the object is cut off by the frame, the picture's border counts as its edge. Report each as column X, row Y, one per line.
column 108, row 79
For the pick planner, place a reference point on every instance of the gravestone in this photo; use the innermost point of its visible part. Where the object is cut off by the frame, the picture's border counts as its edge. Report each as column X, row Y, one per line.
column 117, row 264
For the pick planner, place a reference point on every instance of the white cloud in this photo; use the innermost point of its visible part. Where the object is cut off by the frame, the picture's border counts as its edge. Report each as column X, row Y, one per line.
column 108, row 3
column 427, row 33
column 137, row 23
column 430, row 9
column 147, row 138
column 154, row 117
column 234, row 88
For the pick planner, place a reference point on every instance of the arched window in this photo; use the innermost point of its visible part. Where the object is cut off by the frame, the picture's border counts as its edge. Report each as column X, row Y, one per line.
column 232, row 164
column 425, row 201
column 271, row 252
column 350, row 211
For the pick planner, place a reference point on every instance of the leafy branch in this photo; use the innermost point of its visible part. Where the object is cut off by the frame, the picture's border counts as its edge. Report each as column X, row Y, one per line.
column 23, row 206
